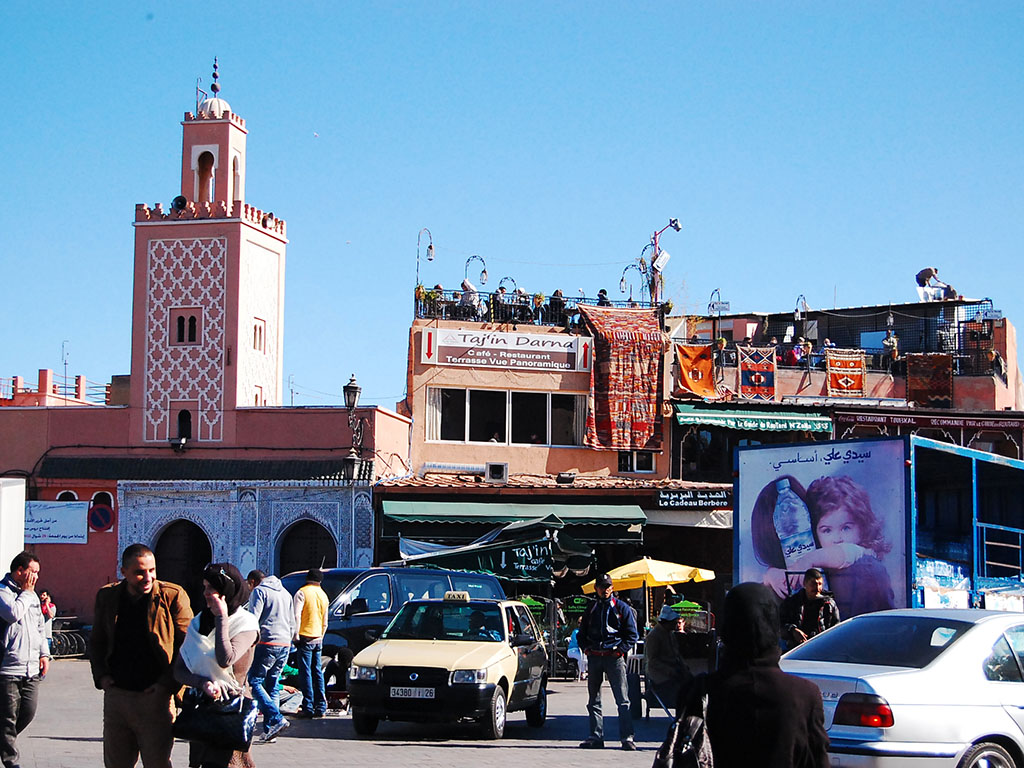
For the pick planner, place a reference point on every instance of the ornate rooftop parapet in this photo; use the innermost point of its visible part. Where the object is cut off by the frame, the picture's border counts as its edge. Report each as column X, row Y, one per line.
column 229, row 116
column 218, row 210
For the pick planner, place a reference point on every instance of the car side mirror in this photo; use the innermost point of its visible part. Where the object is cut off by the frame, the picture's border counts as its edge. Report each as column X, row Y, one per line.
column 520, row 640
column 372, row 635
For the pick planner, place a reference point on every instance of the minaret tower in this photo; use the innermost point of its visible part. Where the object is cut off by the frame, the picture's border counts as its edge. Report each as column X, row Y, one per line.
column 208, row 305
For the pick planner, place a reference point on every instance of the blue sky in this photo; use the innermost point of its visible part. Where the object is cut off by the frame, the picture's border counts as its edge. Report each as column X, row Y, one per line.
column 823, row 149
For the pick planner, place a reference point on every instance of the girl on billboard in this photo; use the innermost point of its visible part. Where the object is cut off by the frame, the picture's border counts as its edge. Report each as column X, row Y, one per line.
column 849, row 542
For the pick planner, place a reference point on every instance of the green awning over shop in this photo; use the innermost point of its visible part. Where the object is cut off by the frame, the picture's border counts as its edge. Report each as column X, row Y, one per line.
column 467, row 512
column 769, row 421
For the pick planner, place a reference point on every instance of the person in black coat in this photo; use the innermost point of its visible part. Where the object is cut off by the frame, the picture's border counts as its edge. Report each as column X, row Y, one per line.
column 757, row 714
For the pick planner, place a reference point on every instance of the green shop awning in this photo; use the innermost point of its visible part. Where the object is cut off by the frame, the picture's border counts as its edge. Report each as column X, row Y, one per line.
column 479, row 512
column 769, row 421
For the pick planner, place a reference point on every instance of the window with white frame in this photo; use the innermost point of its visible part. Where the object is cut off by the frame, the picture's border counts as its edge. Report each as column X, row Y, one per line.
column 636, row 461
column 510, row 418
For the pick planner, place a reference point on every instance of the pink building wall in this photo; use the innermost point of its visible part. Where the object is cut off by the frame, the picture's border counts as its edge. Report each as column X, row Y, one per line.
column 522, row 459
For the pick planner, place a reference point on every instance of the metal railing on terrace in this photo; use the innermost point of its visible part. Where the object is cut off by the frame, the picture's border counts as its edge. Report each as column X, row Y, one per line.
column 960, row 328
column 968, row 363
column 498, row 307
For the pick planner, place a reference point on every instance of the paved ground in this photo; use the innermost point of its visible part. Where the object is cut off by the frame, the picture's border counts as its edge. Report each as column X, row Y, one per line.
column 67, row 733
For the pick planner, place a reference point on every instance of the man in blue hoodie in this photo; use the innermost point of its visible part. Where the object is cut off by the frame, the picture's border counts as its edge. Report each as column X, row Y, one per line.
column 607, row 634
column 25, row 653
column 271, row 604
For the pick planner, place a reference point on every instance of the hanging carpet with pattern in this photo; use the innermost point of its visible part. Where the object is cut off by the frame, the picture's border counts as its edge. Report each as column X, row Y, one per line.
column 624, row 410
column 757, row 373
column 845, row 371
column 695, row 373
column 930, row 379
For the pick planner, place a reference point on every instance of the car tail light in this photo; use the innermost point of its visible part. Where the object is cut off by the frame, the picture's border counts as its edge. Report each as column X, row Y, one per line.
column 863, row 709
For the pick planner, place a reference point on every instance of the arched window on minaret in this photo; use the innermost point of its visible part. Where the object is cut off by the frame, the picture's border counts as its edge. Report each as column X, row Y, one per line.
column 185, row 424
column 181, row 329
column 192, row 323
column 206, row 180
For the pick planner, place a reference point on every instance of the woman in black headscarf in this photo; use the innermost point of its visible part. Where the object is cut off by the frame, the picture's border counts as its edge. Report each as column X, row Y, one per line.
column 757, row 714
column 217, row 653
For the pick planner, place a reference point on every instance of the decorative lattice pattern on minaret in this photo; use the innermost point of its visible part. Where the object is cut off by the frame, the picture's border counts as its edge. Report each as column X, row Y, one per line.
column 185, row 273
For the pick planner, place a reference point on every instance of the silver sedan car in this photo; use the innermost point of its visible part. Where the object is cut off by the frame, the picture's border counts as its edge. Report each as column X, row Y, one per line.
column 921, row 688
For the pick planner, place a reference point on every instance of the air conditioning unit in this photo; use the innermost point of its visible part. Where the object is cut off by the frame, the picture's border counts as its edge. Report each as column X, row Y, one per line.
column 495, row 472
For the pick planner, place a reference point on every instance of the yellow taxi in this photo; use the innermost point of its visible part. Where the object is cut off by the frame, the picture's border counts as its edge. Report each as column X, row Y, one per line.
column 456, row 659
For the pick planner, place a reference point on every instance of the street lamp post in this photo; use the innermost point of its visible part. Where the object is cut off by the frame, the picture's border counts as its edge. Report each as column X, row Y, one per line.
column 351, row 463
column 660, row 259
column 430, row 251
column 483, row 272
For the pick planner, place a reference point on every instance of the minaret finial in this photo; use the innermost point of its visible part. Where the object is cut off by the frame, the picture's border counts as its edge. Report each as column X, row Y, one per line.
column 216, row 86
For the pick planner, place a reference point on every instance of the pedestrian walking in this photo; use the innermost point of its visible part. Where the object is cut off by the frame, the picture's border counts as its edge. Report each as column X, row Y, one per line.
column 310, row 607
column 271, row 604
column 138, row 626
column 217, row 654
column 607, row 635
column 26, row 653
column 49, row 613
column 756, row 713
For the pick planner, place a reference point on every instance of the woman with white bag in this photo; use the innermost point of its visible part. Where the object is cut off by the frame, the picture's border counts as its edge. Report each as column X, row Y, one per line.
column 216, row 655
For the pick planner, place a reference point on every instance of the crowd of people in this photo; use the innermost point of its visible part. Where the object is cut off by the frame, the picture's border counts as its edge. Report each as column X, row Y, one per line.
column 504, row 306
column 147, row 644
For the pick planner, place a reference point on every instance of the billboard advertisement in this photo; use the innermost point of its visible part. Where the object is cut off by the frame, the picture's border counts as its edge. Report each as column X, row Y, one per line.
column 839, row 506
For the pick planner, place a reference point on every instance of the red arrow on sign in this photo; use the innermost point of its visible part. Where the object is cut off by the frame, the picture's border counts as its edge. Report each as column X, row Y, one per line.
column 586, row 355
column 430, row 345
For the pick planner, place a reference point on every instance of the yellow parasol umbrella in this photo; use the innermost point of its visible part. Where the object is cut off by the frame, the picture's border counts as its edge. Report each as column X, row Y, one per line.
column 655, row 573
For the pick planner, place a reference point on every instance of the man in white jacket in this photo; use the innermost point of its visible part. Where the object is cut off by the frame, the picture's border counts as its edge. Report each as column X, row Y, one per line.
column 26, row 653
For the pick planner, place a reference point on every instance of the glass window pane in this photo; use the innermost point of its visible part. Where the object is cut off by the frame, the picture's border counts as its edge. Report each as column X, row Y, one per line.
column 563, row 419
column 1000, row 664
column 375, row 590
column 453, row 414
column 486, row 416
column 625, row 461
column 529, row 417
column 644, row 461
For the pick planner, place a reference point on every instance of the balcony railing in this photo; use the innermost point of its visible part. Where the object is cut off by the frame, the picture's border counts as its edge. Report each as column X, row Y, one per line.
column 965, row 363
column 511, row 308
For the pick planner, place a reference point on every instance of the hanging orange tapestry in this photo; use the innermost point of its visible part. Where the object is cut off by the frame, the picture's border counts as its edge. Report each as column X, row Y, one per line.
column 695, row 372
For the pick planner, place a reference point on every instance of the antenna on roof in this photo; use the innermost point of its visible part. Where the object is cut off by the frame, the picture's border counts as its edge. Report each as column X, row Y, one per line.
column 200, row 94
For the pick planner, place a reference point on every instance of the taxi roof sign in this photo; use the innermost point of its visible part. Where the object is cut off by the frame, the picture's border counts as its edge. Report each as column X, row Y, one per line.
column 456, row 596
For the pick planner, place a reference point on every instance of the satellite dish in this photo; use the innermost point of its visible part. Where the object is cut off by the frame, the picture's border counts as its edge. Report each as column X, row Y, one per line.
column 179, row 203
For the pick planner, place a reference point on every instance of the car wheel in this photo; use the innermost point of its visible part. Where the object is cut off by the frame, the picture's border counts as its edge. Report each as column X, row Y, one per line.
column 537, row 712
column 365, row 725
column 494, row 721
column 986, row 755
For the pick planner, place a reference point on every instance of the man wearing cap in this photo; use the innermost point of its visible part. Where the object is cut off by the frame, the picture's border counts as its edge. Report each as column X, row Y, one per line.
column 667, row 672
column 607, row 634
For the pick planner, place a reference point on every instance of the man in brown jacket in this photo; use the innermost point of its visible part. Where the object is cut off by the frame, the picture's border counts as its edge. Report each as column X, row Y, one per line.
column 138, row 626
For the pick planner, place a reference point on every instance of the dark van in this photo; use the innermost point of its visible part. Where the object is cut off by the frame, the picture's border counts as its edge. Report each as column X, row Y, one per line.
column 370, row 598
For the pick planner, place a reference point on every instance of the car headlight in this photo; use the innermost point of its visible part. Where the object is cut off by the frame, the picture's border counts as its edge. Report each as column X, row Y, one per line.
column 469, row 676
column 356, row 672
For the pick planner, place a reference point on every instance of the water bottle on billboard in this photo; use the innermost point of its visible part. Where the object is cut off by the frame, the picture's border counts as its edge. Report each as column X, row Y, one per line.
column 792, row 523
